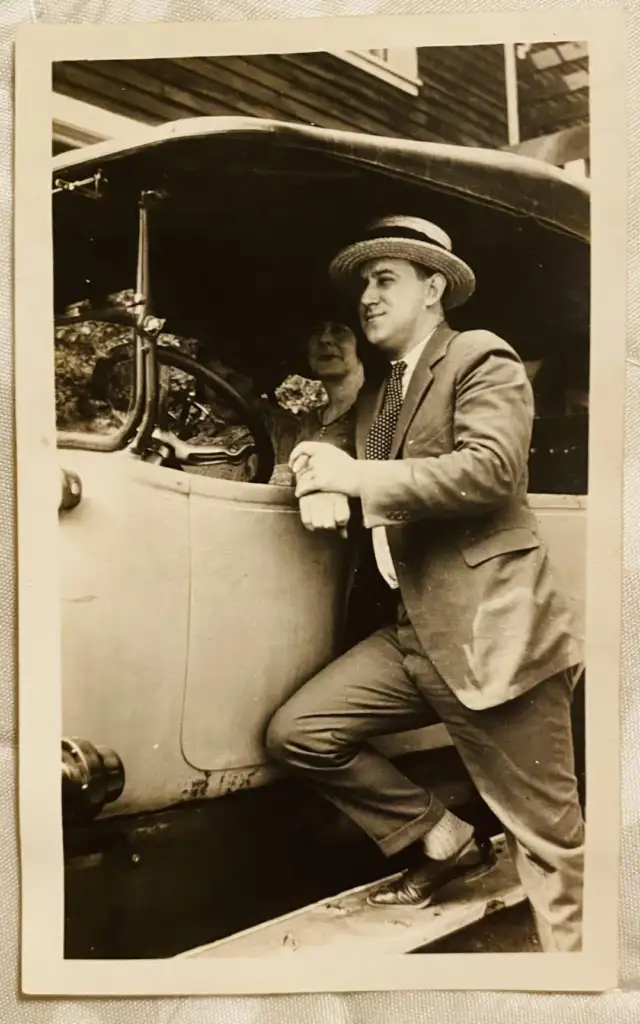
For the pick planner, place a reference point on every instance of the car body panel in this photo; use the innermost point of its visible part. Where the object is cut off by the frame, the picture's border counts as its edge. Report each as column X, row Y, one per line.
column 267, row 600
column 159, row 580
column 125, row 611
column 151, row 661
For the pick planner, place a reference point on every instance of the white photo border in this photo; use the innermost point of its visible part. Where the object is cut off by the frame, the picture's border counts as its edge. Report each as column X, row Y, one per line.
column 45, row 971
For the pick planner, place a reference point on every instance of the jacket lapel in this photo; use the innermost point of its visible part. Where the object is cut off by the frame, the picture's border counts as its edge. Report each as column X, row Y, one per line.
column 370, row 400
column 420, row 382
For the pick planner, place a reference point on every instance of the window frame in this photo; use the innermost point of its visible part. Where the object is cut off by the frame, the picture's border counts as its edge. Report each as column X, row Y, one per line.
column 76, row 123
column 384, row 70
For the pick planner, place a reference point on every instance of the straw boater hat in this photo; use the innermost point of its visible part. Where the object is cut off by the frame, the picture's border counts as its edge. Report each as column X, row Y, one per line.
column 413, row 239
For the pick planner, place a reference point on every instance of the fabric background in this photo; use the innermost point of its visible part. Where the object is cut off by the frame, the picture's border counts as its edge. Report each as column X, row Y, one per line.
column 619, row 1006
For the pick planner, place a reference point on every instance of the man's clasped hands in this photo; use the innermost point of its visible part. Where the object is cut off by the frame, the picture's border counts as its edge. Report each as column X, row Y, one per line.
column 326, row 477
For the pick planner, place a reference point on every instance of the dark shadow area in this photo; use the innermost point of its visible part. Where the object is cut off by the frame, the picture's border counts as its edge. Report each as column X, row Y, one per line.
column 153, row 885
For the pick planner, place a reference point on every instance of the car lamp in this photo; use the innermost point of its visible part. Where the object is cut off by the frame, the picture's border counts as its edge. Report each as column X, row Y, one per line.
column 91, row 777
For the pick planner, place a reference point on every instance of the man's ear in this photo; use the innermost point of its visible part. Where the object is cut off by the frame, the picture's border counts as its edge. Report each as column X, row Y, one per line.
column 435, row 286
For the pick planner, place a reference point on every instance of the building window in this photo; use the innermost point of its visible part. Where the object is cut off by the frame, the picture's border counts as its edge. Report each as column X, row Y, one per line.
column 394, row 66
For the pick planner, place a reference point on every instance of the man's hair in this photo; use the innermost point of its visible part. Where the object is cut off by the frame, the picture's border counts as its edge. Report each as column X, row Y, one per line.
column 424, row 273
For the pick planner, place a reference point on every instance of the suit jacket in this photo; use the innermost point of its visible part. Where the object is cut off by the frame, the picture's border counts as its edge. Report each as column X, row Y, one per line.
column 474, row 574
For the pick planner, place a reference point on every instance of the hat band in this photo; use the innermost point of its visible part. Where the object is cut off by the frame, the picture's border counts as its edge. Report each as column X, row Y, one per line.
column 408, row 233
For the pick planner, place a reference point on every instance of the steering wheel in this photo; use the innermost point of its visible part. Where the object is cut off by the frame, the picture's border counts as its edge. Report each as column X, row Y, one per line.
column 203, row 454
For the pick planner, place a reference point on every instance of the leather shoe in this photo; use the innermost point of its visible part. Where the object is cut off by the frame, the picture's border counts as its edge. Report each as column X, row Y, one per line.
column 418, row 886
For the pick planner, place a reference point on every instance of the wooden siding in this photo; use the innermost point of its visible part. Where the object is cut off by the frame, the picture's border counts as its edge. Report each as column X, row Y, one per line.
column 462, row 98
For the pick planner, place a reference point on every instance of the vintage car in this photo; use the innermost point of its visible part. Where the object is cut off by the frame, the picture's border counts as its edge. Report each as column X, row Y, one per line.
column 193, row 601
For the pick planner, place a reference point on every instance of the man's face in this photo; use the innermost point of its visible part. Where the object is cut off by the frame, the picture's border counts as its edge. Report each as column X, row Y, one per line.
column 332, row 352
column 392, row 305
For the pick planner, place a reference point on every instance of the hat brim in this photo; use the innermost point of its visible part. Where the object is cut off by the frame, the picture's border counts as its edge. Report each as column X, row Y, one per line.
column 461, row 281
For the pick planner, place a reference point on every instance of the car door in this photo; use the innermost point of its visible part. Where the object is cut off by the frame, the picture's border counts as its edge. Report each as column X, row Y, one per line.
column 266, row 607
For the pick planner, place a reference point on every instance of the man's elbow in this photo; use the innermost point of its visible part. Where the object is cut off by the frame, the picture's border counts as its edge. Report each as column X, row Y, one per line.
column 502, row 479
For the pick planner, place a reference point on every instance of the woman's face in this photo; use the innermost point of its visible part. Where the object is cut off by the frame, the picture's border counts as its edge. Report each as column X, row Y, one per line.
column 332, row 353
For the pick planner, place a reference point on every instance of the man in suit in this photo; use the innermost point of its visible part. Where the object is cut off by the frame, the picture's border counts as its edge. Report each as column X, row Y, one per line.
column 481, row 634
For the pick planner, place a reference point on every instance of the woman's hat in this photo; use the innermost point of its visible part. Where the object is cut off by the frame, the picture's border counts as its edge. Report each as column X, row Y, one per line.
column 413, row 239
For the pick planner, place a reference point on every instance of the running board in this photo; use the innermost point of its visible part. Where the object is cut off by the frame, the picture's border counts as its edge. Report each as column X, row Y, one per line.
column 347, row 923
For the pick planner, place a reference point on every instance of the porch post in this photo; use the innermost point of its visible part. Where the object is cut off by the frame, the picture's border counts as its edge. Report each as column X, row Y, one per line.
column 511, row 85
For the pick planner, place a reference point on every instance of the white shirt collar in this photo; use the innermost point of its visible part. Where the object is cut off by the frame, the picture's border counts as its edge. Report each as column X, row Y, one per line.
column 410, row 358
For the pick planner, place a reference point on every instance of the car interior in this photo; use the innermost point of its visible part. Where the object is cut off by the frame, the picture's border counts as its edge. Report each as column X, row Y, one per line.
column 238, row 251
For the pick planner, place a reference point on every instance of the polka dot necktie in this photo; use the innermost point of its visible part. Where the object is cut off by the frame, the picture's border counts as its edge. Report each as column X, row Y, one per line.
column 378, row 445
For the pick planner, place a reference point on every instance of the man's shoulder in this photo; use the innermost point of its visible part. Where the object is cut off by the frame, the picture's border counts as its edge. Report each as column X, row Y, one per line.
column 484, row 341
column 471, row 348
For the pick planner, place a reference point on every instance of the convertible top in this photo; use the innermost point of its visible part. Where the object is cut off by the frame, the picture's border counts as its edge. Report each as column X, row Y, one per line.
column 521, row 184
column 252, row 211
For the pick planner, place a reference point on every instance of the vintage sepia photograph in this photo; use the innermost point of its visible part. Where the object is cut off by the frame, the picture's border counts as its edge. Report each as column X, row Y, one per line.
column 318, row 391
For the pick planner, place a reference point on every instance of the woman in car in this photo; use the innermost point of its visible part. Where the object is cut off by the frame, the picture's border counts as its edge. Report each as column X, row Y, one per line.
column 333, row 359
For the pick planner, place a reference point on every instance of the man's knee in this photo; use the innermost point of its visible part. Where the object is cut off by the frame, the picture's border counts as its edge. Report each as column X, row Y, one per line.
column 281, row 735
column 299, row 740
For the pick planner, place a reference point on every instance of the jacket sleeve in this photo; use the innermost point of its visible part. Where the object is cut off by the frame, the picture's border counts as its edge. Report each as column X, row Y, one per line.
column 492, row 423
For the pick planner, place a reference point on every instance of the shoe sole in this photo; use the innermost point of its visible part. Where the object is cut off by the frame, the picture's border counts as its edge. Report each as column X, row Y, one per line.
column 469, row 876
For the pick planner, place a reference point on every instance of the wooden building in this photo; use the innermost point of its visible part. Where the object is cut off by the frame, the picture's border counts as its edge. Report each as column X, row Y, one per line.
column 533, row 98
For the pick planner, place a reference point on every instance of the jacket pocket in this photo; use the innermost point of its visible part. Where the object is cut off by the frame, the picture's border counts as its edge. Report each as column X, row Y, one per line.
column 503, row 543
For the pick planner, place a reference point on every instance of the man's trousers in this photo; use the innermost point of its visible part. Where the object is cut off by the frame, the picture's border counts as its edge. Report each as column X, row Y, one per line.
column 519, row 756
